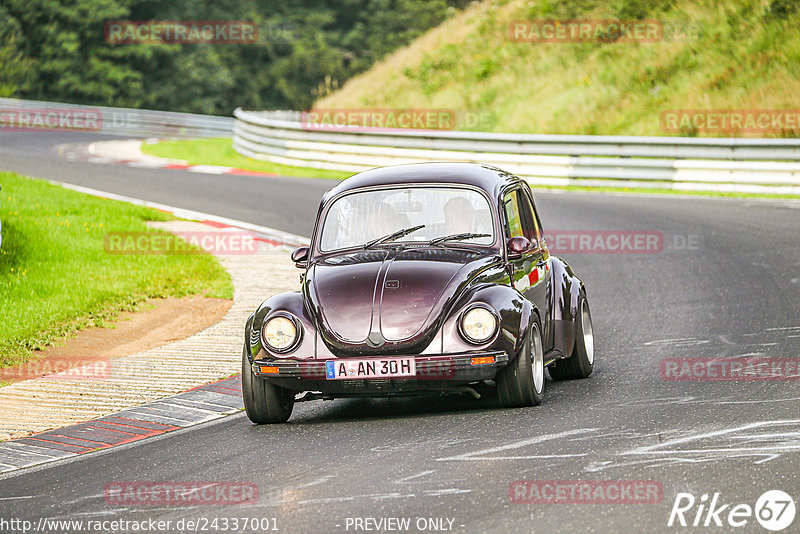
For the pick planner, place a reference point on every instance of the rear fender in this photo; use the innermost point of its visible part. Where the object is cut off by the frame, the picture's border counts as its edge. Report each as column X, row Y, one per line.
column 566, row 292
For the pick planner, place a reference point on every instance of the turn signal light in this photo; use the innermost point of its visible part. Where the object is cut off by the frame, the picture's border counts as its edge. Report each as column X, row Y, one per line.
column 269, row 370
column 482, row 360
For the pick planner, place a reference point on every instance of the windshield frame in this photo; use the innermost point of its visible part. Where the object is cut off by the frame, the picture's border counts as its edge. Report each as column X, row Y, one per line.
column 320, row 224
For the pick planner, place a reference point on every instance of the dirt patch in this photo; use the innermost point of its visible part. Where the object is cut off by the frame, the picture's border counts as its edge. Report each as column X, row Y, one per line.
column 159, row 322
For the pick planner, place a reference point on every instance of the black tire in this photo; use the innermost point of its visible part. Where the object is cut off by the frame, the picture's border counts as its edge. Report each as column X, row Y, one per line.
column 264, row 402
column 521, row 382
column 581, row 363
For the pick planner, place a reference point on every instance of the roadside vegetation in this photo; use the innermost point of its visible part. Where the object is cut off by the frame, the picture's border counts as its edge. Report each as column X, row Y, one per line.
column 729, row 54
column 57, row 50
column 220, row 151
column 56, row 278
column 734, row 54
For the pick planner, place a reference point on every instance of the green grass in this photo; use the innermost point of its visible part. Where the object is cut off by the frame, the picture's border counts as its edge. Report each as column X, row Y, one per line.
column 219, row 151
column 736, row 54
column 56, row 278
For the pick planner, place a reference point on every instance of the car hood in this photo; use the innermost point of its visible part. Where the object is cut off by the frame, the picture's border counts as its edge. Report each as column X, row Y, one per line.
column 389, row 300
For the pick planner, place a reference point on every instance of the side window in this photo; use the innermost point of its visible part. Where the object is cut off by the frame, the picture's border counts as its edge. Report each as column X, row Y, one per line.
column 519, row 219
column 513, row 216
column 536, row 228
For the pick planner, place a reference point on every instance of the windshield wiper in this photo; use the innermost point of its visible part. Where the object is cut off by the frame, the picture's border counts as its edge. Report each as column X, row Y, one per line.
column 457, row 237
column 394, row 235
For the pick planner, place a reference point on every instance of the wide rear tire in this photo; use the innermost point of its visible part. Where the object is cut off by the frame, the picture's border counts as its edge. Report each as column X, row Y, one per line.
column 521, row 382
column 581, row 363
column 264, row 403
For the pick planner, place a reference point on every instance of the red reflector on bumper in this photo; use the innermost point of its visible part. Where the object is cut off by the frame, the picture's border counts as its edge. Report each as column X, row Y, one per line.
column 482, row 360
column 269, row 370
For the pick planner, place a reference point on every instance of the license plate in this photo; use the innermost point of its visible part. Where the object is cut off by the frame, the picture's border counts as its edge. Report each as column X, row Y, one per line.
column 369, row 368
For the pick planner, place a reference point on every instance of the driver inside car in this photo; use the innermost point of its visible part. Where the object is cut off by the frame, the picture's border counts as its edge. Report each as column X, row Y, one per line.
column 384, row 220
column 459, row 216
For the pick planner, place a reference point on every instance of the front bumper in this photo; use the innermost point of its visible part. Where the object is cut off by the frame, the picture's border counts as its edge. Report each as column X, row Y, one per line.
column 433, row 373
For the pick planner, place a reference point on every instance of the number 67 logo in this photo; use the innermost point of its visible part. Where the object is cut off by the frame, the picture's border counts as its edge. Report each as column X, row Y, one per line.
column 775, row 510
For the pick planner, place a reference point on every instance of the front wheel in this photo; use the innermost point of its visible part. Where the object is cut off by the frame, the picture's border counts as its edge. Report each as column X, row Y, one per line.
column 521, row 382
column 264, row 402
column 581, row 363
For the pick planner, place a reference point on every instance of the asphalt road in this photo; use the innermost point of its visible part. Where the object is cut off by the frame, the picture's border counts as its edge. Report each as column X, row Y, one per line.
column 287, row 204
column 726, row 284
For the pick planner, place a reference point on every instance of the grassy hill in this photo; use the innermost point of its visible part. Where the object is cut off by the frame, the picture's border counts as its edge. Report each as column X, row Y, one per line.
column 714, row 55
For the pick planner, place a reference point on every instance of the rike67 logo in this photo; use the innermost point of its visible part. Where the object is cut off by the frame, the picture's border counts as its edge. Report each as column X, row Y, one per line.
column 774, row 510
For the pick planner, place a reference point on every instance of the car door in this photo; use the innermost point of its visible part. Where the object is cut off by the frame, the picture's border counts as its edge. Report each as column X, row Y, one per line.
column 541, row 276
column 530, row 270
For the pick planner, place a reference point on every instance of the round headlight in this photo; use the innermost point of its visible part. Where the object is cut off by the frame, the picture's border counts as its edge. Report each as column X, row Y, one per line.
column 280, row 333
column 478, row 325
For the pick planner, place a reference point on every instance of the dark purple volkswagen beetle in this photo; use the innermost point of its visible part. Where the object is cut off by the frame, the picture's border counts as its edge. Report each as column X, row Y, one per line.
column 420, row 278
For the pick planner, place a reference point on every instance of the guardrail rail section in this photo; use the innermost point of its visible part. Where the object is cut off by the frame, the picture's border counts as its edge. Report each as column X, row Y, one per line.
column 40, row 115
column 743, row 165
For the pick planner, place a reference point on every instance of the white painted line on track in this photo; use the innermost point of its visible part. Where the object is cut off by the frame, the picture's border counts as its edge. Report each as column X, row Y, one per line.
column 487, row 454
column 182, row 213
column 649, row 449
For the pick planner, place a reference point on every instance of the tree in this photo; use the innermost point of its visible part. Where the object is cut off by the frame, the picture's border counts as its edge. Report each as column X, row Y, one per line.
column 56, row 50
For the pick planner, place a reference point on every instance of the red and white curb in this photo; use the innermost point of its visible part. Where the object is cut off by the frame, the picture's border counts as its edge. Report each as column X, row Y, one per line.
column 192, row 407
column 129, row 152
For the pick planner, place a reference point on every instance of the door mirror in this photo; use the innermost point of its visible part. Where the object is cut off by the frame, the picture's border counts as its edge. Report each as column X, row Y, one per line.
column 300, row 257
column 517, row 246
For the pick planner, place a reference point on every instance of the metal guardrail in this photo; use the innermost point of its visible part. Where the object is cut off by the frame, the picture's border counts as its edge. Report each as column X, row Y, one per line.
column 685, row 163
column 40, row 115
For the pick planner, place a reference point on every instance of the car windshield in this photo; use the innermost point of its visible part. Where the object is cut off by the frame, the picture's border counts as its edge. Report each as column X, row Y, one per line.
column 358, row 218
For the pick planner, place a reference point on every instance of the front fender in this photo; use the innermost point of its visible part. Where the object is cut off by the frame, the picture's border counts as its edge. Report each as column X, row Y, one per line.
column 515, row 313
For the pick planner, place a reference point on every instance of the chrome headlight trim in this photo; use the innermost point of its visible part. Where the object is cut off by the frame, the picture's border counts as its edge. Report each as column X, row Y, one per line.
column 486, row 311
column 298, row 333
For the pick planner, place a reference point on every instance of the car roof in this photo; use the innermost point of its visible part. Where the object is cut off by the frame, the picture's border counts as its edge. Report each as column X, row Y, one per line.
column 486, row 177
